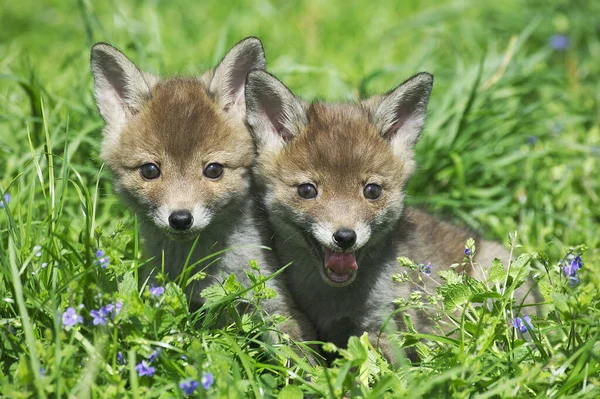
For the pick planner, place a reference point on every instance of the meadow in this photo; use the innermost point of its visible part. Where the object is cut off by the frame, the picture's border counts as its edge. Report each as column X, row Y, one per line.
column 511, row 149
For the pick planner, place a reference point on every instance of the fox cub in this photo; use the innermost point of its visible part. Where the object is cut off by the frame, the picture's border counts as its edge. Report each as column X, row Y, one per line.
column 181, row 157
column 332, row 181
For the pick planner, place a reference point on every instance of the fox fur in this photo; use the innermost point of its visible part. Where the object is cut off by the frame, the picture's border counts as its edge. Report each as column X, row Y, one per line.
column 340, row 149
column 182, row 125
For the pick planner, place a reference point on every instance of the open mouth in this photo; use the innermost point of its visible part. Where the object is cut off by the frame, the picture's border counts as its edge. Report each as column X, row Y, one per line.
column 340, row 267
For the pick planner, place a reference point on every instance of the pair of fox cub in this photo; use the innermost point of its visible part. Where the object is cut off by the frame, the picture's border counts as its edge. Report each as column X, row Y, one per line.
column 233, row 156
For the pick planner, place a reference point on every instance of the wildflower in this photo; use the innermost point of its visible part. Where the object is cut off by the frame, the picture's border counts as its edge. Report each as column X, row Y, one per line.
column 38, row 250
column 108, row 309
column 188, row 386
column 144, row 368
column 44, row 265
column 425, row 269
column 42, row 371
column 120, row 358
column 70, row 317
column 559, row 42
column 467, row 251
column 154, row 355
column 98, row 316
column 523, row 324
column 118, row 307
column 157, row 291
column 6, row 201
column 101, row 260
column 207, row 380
column 532, row 140
column 570, row 267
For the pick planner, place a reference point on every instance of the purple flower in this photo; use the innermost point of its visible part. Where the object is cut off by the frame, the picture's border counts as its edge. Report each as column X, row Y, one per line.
column 101, row 260
column 467, row 251
column 559, row 42
column 70, row 317
column 98, row 316
column 118, row 307
column 523, row 324
column 157, row 291
column 189, row 386
column 570, row 267
column 120, row 358
column 42, row 371
column 6, row 201
column 425, row 269
column 144, row 368
column 207, row 380
column 154, row 355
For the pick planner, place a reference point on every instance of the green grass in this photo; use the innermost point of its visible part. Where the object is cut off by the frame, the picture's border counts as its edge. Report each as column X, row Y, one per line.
column 512, row 143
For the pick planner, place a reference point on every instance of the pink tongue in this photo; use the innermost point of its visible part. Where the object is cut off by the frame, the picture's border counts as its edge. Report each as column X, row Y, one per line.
column 340, row 262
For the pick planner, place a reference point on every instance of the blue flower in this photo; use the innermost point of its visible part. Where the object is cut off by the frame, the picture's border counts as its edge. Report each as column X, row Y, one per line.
column 425, row 269
column 570, row 267
column 523, row 324
column 157, row 291
column 70, row 317
column 467, row 251
column 559, row 42
column 207, row 380
column 188, row 386
column 143, row 368
column 98, row 316
column 6, row 201
column 118, row 307
column 154, row 355
column 42, row 371
column 532, row 140
column 120, row 358
column 101, row 260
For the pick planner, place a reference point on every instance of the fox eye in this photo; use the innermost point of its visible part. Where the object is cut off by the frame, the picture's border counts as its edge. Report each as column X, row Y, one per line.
column 150, row 171
column 213, row 170
column 307, row 191
column 372, row 191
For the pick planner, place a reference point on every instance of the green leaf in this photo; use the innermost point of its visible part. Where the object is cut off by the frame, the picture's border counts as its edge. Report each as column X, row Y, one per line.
column 290, row 392
column 450, row 276
column 560, row 301
column 497, row 272
column 128, row 286
column 454, row 295
column 519, row 269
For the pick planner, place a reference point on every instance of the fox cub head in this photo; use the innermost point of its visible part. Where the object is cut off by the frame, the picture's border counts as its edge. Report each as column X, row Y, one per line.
column 333, row 175
column 178, row 147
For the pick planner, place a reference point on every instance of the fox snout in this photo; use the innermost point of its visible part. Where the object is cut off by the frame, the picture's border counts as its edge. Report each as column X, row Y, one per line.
column 345, row 238
column 181, row 220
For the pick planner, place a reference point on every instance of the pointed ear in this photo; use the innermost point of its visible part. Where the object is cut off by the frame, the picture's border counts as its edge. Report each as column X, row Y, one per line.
column 400, row 114
column 119, row 86
column 230, row 75
column 275, row 115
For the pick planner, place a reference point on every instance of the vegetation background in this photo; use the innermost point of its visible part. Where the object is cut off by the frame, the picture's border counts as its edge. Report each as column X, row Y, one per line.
column 512, row 143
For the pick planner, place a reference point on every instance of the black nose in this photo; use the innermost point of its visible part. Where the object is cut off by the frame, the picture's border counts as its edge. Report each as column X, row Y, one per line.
column 345, row 238
column 181, row 220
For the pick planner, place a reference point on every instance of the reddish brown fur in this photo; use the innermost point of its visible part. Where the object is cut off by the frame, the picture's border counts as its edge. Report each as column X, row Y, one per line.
column 340, row 151
column 182, row 130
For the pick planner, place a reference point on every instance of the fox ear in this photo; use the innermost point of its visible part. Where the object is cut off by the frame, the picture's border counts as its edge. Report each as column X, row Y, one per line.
column 275, row 115
column 230, row 75
column 120, row 87
column 400, row 114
